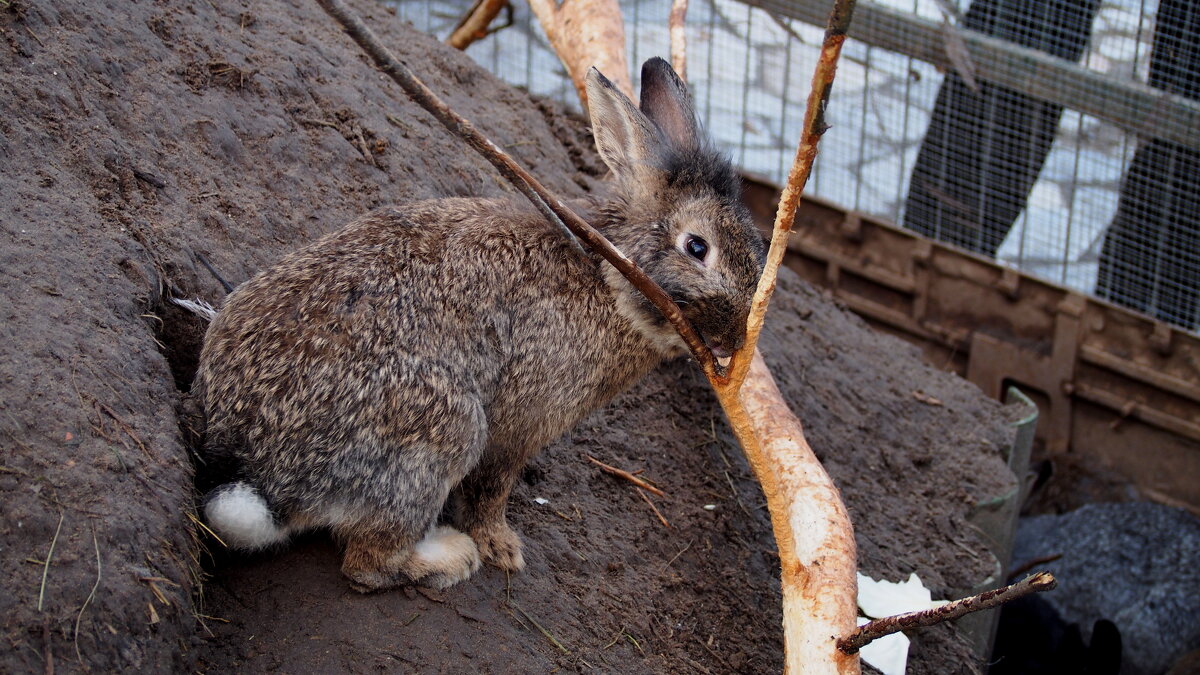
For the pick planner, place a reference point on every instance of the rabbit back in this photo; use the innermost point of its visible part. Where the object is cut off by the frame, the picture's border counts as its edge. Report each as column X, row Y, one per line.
column 383, row 359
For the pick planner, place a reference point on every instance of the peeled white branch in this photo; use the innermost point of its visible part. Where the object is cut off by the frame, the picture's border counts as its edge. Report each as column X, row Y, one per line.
column 586, row 33
column 676, row 25
column 812, row 528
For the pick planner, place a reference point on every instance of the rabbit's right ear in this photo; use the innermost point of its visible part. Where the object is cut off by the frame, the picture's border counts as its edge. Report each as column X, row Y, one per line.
column 625, row 138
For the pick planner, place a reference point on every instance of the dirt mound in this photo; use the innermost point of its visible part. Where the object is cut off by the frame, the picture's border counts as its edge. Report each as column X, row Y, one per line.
column 140, row 134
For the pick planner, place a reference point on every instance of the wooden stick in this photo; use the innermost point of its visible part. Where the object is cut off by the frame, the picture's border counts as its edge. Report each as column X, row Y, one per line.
column 586, row 33
column 1042, row 581
column 811, row 526
column 621, row 473
column 550, row 205
column 653, row 508
column 474, row 24
column 676, row 26
column 806, row 152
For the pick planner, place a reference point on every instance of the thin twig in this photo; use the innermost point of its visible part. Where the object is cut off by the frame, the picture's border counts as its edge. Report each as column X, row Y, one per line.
column 1042, row 581
column 676, row 556
column 553, row 640
column 316, row 123
column 806, row 153
column 1025, row 567
column 653, row 508
column 49, row 667
column 46, row 567
column 621, row 473
column 547, row 203
column 79, row 617
column 35, row 37
column 199, row 523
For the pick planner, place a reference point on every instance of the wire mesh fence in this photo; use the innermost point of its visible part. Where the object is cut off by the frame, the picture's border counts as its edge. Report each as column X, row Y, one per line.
column 1052, row 156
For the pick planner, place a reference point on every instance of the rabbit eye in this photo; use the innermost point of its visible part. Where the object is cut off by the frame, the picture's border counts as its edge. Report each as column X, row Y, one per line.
column 695, row 247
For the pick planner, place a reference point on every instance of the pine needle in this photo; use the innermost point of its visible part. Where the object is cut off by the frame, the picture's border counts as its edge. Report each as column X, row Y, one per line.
column 96, row 543
column 46, row 567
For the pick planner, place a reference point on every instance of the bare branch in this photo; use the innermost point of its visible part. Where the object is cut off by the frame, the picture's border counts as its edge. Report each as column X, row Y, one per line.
column 621, row 473
column 474, row 24
column 550, row 205
column 810, row 522
column 586, row 33
column 806, row 152
column 1042, row 581
column 676, row 23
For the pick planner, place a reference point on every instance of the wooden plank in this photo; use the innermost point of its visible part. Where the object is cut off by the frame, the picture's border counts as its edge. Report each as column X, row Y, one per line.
column 1131, row 105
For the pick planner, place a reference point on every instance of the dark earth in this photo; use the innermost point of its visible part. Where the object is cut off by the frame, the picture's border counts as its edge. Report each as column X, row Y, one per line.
column 136, row 135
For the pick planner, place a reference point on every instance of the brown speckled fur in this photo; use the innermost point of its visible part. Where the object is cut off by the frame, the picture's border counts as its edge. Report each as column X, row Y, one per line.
column 425, row 352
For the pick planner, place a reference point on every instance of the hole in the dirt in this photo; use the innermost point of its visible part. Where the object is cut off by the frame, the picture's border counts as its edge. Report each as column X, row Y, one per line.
column 180, row 335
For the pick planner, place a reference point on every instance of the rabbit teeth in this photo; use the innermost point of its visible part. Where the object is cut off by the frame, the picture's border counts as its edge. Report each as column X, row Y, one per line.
column 724, row 361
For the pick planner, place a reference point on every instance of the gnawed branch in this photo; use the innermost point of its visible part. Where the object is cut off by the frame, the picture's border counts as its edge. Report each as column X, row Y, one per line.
column 549, row 204
column 812, row 528
column 586, row 33
column 1042, row 581
column 806, row 153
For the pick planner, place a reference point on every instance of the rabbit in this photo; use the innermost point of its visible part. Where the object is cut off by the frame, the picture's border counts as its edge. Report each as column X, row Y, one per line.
column 404, row 369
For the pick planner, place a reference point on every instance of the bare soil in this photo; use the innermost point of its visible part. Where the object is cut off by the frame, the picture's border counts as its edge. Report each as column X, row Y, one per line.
column 136, row 135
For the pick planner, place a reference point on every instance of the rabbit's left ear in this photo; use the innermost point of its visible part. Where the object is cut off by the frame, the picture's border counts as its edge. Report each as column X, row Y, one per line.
column 666, row 101
column 625, row 138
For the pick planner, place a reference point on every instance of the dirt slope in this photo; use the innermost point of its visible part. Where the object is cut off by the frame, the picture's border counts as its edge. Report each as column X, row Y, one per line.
column 134, row 135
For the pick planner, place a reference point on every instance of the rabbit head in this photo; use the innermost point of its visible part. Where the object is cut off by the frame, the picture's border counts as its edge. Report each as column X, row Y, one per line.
column 675, row 210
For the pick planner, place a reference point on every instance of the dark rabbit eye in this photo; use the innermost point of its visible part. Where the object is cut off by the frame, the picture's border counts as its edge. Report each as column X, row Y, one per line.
column 695, row 247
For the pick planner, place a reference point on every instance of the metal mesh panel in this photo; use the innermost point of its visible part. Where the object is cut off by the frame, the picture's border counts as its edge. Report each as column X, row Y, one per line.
column 1067, row 145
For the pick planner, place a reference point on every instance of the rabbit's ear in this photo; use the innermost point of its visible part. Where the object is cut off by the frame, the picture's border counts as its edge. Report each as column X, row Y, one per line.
column 666, row 101
column 625, row 139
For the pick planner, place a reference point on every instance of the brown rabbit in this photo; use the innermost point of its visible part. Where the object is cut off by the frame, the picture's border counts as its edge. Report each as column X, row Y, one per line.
column 428, row 350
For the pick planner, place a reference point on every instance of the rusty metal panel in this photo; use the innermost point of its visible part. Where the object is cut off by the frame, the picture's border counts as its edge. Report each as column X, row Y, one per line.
column 1119, row 386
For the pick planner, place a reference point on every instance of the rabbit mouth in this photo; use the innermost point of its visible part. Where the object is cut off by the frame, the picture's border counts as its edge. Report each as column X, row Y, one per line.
column 720, row 351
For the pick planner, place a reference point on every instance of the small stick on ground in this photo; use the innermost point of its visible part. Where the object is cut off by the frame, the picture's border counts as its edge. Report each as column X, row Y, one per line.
column 653, row 508
column 316, row 123
column 46, row 567
column 49, row 669
column 553, row 640
column 364, row 148
column 79, row 617
column 676, row 556
column 621, row 473
column 1042, row 581
column 35, row 37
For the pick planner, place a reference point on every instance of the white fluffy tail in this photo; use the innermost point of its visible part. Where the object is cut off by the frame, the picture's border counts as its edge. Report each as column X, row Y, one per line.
column 242, row 519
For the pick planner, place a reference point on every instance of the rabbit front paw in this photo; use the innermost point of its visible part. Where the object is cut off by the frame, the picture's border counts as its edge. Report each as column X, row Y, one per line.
column 500, row 546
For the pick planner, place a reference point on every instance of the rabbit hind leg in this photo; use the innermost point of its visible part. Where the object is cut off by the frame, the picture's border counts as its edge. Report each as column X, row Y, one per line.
column 392, row 537
column 380, row 559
